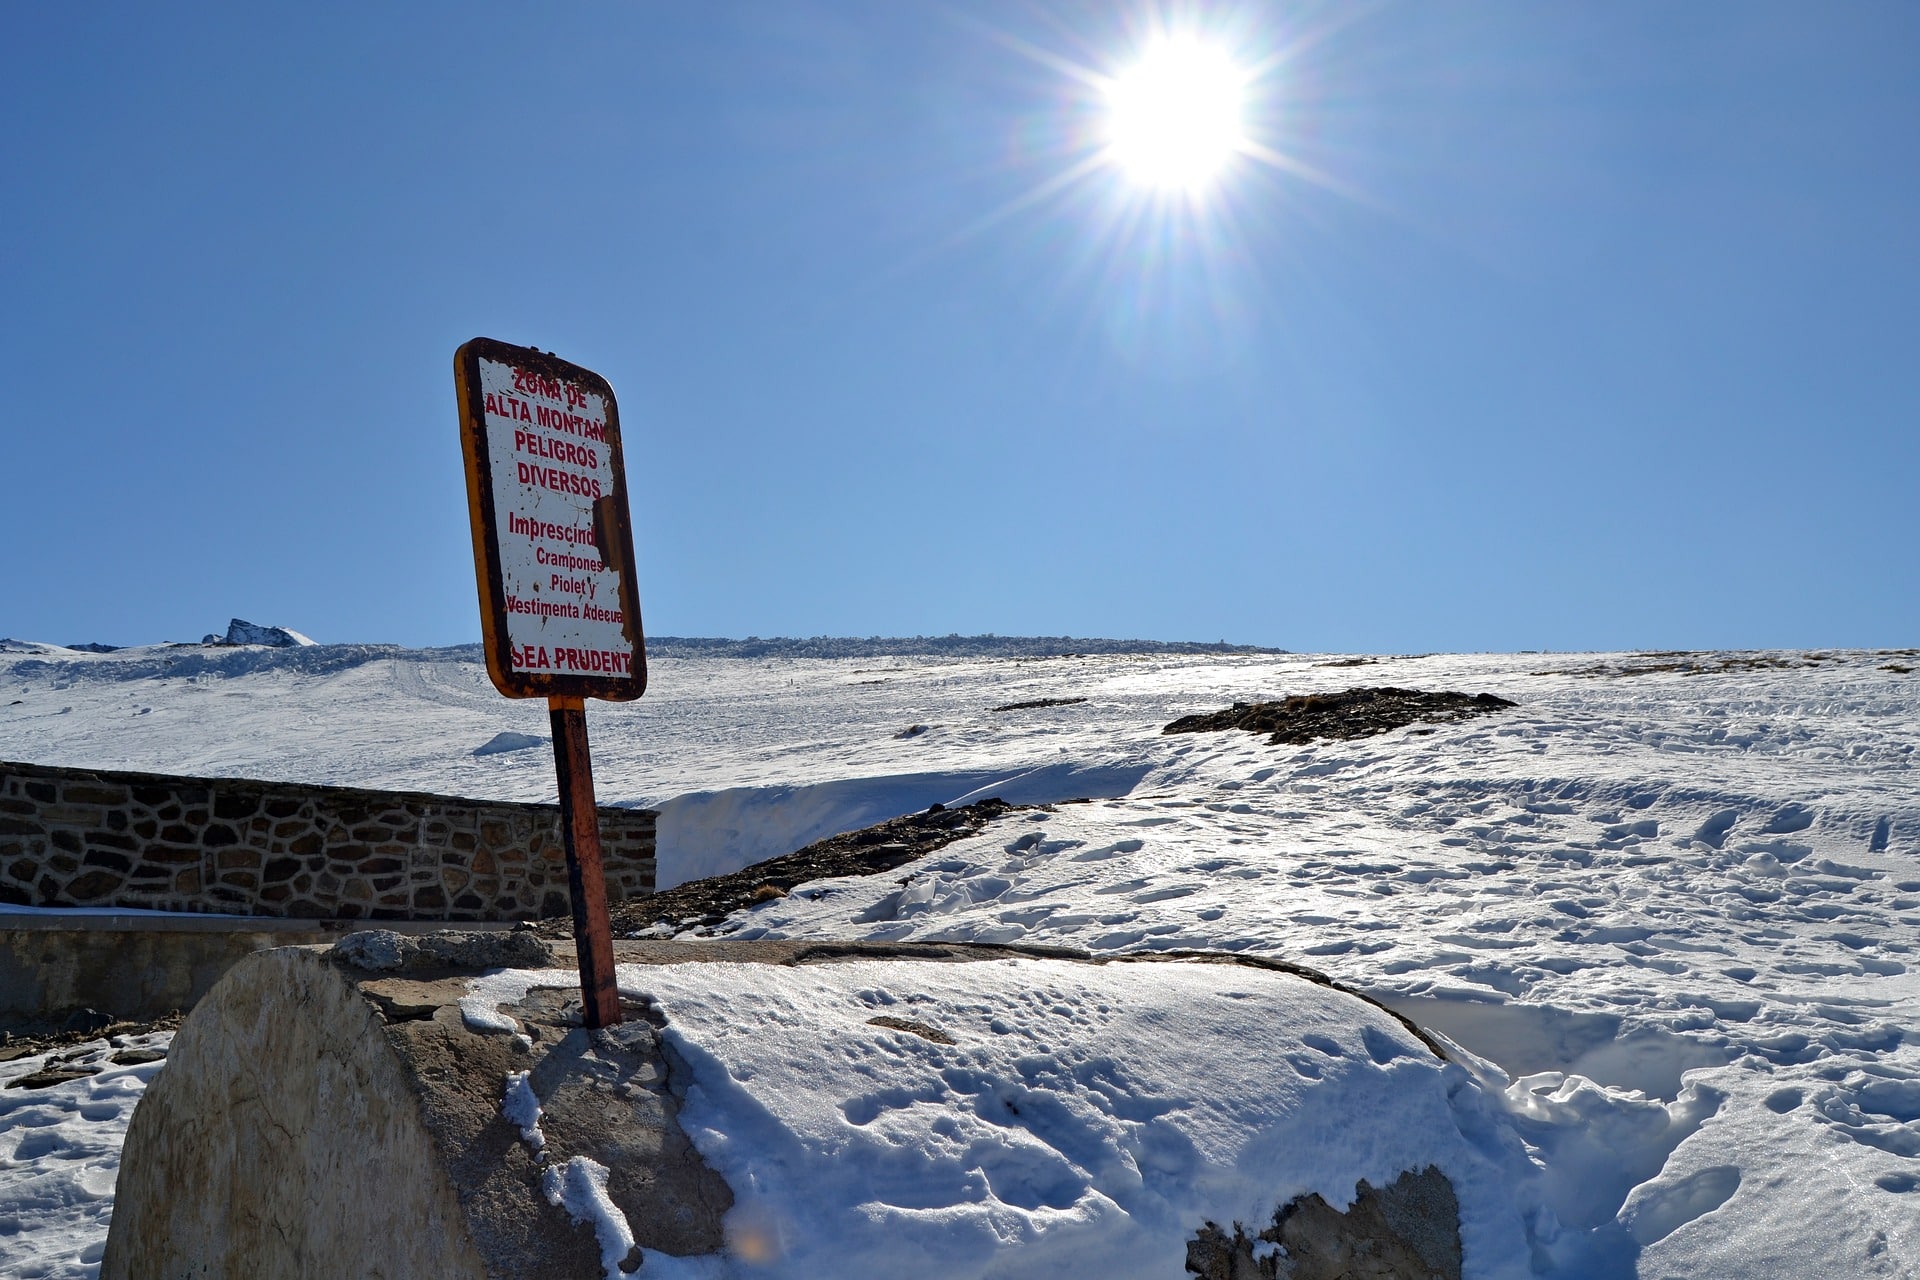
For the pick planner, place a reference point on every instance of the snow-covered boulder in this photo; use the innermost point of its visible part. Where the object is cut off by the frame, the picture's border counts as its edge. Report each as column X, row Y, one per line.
column 804, row 1109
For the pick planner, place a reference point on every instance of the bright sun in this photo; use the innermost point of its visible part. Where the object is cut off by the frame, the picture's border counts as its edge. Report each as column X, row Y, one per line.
column 1173, row 118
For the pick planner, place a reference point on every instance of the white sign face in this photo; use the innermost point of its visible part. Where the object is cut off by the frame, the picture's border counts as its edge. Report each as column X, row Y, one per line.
column 549, row 463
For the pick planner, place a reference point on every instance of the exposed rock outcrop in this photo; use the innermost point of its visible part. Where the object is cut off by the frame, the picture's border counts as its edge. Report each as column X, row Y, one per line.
column 1357, row 713
column 240, row 631
column 1407, row 1230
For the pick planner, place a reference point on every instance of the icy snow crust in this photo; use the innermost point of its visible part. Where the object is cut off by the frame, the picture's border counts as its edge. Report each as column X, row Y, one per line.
column 580, row 1187
column 60, row 1154
column 1672, row 914
column 521, row 1107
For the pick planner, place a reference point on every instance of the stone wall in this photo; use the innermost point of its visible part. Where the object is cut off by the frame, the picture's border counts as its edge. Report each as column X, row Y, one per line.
column 88, row 838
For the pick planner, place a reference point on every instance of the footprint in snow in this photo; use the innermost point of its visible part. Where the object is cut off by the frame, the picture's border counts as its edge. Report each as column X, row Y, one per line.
column 1791, row 818
column 1876, row 1108
column 1714, row 830
column 1166, row 894
column 1109, row 851
column 1657, row 1209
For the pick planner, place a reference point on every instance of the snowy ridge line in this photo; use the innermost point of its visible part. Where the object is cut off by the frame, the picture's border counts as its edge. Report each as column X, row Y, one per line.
column 954, row 646
column 48, row 661
column 1196, row 955
column 831, row 950
column 226, row 662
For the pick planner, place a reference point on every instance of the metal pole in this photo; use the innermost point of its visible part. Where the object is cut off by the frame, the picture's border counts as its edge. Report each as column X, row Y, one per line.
column 586, row 881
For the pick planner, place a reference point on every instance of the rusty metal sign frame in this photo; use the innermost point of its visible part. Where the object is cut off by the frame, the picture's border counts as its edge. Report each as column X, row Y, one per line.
column 565, row 694
column 613, row 528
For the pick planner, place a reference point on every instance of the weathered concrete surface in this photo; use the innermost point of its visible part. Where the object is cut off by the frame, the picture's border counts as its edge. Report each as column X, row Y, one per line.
column 284, row 1139
column 333, row 1113
column 46, row 974
column 133, row 967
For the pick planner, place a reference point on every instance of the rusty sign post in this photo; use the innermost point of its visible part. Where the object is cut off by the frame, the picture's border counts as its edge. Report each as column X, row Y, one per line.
column 559, row 606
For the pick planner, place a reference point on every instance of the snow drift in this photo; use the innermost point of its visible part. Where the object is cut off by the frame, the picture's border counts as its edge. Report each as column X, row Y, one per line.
column 785, row 1110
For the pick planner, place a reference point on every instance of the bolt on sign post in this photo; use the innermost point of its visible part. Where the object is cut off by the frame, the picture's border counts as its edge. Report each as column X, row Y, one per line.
column 553, row 552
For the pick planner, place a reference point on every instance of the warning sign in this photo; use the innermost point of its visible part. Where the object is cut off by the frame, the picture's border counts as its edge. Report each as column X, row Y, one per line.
column 552, row 546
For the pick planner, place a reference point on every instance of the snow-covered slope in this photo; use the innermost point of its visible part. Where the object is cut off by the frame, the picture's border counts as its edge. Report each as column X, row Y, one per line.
column 1670, row 901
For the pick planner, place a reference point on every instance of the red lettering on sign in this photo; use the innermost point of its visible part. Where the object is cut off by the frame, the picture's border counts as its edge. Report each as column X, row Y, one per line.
column 559, row 450
column 559, row 481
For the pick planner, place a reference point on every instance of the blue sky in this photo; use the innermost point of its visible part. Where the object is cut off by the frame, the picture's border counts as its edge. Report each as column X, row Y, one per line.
column 1562, row 326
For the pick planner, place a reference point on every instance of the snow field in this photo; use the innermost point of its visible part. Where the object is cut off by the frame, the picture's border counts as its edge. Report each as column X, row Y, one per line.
column 1671, row 916
column 1710, row 909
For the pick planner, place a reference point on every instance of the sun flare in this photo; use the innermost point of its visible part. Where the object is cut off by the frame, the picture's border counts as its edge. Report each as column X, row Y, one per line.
column 1174, row 117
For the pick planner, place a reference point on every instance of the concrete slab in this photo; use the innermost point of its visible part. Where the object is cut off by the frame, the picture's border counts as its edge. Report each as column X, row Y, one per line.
column 137, row 965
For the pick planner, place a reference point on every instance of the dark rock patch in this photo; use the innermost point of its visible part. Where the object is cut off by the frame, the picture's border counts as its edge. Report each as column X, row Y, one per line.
column 1683, row 663
column 47, row 1077
column 25, row 1041
column 1357, row 713
column 1410, row 1230
column 137, row 1057
column 866, row 852
column 87, row 1022
column 1037, row 703
column 911, row 1027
